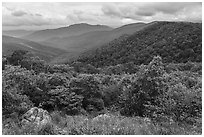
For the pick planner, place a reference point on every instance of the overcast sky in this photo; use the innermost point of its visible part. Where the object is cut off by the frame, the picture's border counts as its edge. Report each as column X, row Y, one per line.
column 32, row 16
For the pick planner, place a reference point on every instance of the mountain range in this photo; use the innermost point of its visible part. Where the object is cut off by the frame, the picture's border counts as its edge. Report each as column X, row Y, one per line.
column 173, row 41
column 17, row 33
column 72, row 30
column 92, row 39
column 10, row 44
column 101, row 45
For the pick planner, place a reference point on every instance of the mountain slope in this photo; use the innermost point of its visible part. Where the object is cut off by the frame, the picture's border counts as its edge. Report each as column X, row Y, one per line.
column 17, row 33
column 93, row 39
column 72, row 30
column 10, row 44
column 173, row 41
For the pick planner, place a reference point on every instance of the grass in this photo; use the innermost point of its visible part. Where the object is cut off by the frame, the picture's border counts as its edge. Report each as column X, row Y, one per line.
column 112, row 125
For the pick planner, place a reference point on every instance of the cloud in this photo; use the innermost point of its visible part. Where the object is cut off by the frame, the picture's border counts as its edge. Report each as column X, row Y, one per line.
column 24, row 17
column 112, row 14
column 180, row 11
column 37, row 14
column 111, row 10
column 29, row 19
column 164, row 7
column 18, row 13
column 127, row 21
column 144, row 13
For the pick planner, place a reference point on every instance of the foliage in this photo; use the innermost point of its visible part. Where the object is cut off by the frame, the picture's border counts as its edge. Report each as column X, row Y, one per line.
column 112, row 125
column 14, row 129
column 84, row 68
column 144, row 89
column 13, row 102
column 111, row 94
column 61, row 69
column 17, row 57
column 180, row 103
column 62, row 99
column 88, row 87
column 177, row 42
column 16, row 81
column 27, row 60
column 169, row 95
column 34, row 63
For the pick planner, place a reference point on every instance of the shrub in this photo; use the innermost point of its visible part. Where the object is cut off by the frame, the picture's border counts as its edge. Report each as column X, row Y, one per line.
column 65, row 69
column 23, row 80
column 57, row 79
column 63, row 99
column 34, row 63
column 86, row 86
column 14, row 129
column 179, row 104
column 113, row 125
column 145, row 89
column 111, row 94
column 14, row 83
column 16, row 57
column 27, row 60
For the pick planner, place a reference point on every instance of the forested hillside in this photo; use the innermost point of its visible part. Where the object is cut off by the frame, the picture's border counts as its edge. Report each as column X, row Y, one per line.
column 92, row 39
column 17, row 33
column 11, row 44
column 72, row 30
column 173, row 41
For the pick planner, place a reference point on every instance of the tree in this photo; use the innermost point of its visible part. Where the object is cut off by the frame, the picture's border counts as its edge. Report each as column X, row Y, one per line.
column 63, row 99
column 145, row 88
column 87, row 86
column 17, row 56
column 13, row 99
column 34, row 63
column 27, row 60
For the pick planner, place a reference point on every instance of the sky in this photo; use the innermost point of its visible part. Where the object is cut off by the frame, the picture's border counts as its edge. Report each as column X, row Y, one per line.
column 48, row 15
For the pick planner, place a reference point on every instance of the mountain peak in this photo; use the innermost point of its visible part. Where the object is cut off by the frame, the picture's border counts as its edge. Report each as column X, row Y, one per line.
column 87, row 25
column 80, row 24
column 71, row 30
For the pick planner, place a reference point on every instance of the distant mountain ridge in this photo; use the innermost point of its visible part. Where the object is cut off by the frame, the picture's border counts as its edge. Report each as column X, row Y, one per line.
column 137, row 42
column 173, row 41
column 17, row 33
column 93, row 36
column 10, row 44
column 72, row 30
column 93, row 39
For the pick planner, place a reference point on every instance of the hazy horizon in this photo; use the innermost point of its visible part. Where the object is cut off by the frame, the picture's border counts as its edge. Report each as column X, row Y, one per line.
column 45, row 15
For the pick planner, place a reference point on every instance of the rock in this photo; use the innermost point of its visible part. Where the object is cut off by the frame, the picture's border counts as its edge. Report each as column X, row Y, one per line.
column 60, row 131
column 36, row 117
column 102, row 117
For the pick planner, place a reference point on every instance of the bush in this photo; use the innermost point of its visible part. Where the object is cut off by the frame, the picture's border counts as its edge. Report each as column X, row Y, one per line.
column 111, row 95
column 65, row 100
column 14, row 83
column 14, row 129
column 27, row 60
column 179, row 103
column 65, row 69
column 57, row 79
column 88, row 87
column 16, row 57
column 144, row 89
column 24, row 81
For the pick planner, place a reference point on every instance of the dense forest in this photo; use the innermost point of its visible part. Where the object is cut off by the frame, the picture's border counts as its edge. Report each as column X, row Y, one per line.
column 146, row 83
column 173, row 41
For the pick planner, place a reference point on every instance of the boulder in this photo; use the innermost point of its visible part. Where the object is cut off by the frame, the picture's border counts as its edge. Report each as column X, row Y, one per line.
column 36, row 117
column 102, row 117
